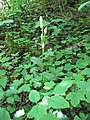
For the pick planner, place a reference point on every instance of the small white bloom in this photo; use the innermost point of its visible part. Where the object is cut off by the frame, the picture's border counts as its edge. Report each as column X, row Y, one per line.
column 45, row 30
column 41, row 22
column 19, row 113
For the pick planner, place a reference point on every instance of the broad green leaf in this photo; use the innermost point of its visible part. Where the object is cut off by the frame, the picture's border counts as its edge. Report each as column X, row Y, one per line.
column 1, row 94
column 4, row 115
column 84, row 88
column 37, row 61
column 86, row 71
column 76, row 118
column 2, row 72
column 10, row 100
column 49, row 76
column 37, row 112
column 24, row 88
column 4, row 59
column 17, row 98
column 10, row 108
column 83, row 5
column 27, row 77
column 57, row 102
column 68, row 67
column 50, row 116
column 6, row 22
column 11, row 91
column 88, row 91
column 73, row 98
column 48, row 85
column 81, row 63
column 6, row 64
column 83, row 116
column 16, row 83
column 3, row 81
column 62, row 87
column 81, row 85
column 34, row 96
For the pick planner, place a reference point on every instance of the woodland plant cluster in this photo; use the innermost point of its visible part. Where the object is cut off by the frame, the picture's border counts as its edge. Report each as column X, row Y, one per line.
column 44, row 60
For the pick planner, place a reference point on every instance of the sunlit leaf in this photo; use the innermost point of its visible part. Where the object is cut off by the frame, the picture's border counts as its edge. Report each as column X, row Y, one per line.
column 83, row 5
column 37, row 112
column 62, row 87
column 3, row 81
column 4, row 115
column 50, row 116
column 57, row 102
column 34, row 96
column 37, row 61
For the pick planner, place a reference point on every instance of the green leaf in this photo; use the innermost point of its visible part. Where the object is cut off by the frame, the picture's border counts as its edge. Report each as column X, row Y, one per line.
column 24, row 88
column 62, row 87
column 6, row 22
column 88, row 91
column 11, row 91
column 76, row 118
column 17, row 98
column 4, row 59
column 48, row 85
column 16, row 83
column 50, row 116
column 57, row 102
column 83, row 5
column 75, row 98
column 3, row 81
column 37, row 112
column 82, row 115
column 10, row 109
column 34, row 96
column 4, row 115
column 49, row 76
column 10, row 100
column 86, row 71
column 37, row 61
column 81, row 63
column 1, row 94
column 6, row 64
column 2, row 72
column 68, row 67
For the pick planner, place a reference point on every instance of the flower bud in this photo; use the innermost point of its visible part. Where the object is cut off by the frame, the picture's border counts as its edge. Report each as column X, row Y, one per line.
column 41, row 22
column 45, row 30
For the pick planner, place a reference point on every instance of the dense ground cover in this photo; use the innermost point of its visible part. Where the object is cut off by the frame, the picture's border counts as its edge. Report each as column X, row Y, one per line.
column 44, row 61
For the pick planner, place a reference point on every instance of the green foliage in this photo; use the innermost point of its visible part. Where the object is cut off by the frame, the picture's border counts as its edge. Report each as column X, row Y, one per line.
column 44, row 75
column 57, row 102
column 4, row 115
column 83, row 5
column 37, row 112
column 34, row 96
